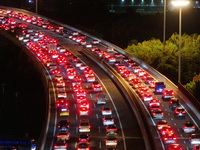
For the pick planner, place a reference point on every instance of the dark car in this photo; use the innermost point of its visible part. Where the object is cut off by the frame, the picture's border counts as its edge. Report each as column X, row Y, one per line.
column 174, row 102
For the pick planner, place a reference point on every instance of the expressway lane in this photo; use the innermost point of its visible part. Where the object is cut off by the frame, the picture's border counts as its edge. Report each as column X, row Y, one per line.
column 129, row 134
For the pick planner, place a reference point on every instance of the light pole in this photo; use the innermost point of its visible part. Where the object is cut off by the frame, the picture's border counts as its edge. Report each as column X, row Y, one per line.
column 180, row 4
column 36, row 6
column 164, row 26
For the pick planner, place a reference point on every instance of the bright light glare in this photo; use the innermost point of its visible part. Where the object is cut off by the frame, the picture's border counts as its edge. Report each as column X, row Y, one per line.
column 180, row 3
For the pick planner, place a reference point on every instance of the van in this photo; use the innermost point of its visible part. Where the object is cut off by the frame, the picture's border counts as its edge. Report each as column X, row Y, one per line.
column 109, row 49
column 101, row 98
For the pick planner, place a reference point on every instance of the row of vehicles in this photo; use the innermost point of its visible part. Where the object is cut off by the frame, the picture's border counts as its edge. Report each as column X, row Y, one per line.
column 54, row 56
column 139, row 79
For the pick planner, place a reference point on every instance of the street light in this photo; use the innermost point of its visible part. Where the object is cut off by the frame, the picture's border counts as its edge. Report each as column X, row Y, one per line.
column 36, row 6
column 179, row 4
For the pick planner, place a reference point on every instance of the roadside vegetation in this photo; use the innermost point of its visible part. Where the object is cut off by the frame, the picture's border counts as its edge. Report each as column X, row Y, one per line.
column 165, row 59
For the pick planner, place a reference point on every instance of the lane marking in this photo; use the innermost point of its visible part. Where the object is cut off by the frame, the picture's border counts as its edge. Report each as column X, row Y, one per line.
column 97, row 116
column 99, row 144
column 99, row 128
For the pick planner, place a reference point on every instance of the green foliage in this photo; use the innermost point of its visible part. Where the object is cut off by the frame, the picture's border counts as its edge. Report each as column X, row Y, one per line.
column 165, row 58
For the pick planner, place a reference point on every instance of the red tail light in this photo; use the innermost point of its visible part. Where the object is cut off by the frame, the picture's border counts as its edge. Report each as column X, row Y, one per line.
column 165, row 139
column 65, row 146
column 162, row 113
column 115, row 141
column 175, row 138
column 183, row 112
column 106, row 141
column 89, row 127
column 193, row 126
column 55, row 146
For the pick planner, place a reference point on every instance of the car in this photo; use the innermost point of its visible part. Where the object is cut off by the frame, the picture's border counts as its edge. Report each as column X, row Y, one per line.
column 58, row 77
column 84, row 104
column 76, row 87
column 161, row 123
column 188, row 127
column 80, row 99
column 196, row 147
column 168, row 93
column 173, row 103
column 60, row 89
column 83, row 111
column 152, row 84
column 64, row 111
column 63, row 125
column 154, row 101
column 96, row 86
column 195, row 139
column 174, row 147
column 83, row 146
column 109, row 49
column 157, row 114
column 179, row 112
column 60, row 84
column 88, row 45
column 63, row 135
column 84, row 137
column 111, row 128
column 81, row 92
column 166, row 130
column 82, row 66
column 84, row 125
column 141, row 73
column 90, row 78
column 126, row 73
column 62, row 94
column 169, row 138
column 159, row 87
column 111, row 59
column 106, row 111
column 101, row 98
column 71, row 74
column 108, row 120
column 146, row 97
column 61, row 102
column 136, row 69
column 60, row 145
column 121, row 70
column 55, row 72
column 95, row 42
column 154, row 107
column 93, row 48
column 83, row 42
column 78, row 63
column 111, row 140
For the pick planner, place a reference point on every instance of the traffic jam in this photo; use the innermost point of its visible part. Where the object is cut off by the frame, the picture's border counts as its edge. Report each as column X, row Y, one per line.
column 73, row 79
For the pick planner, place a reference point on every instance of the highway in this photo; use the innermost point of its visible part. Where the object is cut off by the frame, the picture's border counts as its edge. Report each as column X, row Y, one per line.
column 129, row 133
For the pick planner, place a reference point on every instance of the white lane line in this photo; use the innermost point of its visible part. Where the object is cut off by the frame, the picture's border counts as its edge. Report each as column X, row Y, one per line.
column 175, row 124
column 55, row 121
column 73, row 95
column 94, row 105
column 97, row 116
column 123, row 137
column 63, row 73
column 178, row 129
column 99, row 128
column 76, row 117
column 184, row 142
column 99, row 144
column 165, row 109
column 75, row 105
column 76, row 129
column 181, row 135
column 191, row 117
column 187, row 148
column 172, row 119
column 75, row 145
column 91, row 95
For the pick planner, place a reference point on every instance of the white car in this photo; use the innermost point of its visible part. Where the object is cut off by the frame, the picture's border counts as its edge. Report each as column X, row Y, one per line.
column 195, row 139
column 111, row 140
column 62, row 94
column 84, row 125
column 109, row 49
column 108, row 120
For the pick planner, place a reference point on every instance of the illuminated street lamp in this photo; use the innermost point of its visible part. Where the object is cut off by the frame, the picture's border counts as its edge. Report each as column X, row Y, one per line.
column 180, row 4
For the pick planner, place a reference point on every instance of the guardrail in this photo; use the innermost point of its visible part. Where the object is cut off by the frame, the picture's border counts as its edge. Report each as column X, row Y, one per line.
column 40, row 69
column 195, row 102
column 127, row 91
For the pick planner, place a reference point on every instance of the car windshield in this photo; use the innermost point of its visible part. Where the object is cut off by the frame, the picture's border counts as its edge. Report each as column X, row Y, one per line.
column 84, row 124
